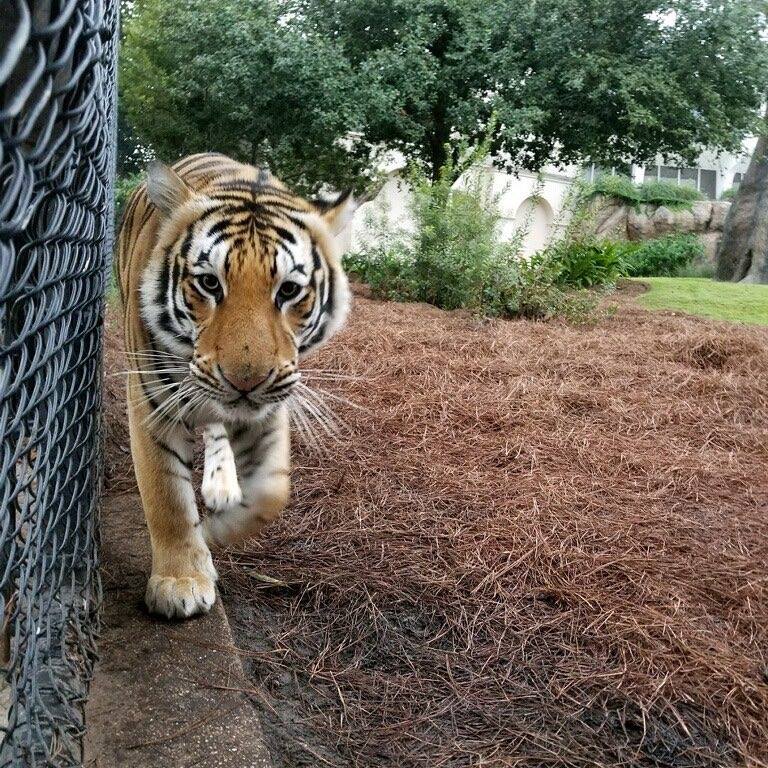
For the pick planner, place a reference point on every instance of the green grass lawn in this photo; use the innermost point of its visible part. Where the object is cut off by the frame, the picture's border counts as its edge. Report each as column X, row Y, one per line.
column 740, row 303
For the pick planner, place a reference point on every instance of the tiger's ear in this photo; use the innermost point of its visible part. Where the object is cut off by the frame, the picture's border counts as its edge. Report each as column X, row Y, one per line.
column 339, row 212
column 166, row 190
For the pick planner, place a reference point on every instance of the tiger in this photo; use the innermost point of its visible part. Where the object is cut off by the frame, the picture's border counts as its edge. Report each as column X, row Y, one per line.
column 227, row 280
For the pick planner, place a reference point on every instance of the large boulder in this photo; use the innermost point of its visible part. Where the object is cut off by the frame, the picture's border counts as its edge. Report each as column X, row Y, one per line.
column 663, row 220
column 719, row 212
column 639, row 224
column 702, row 214
column 684, row 221
column 611, row 221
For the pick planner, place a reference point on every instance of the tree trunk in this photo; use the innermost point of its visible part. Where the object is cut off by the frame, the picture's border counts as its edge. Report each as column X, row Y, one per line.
column 743, row 251
column 438, row 155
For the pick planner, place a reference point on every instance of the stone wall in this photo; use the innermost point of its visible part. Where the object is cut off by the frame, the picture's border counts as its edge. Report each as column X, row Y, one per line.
column 645, row 222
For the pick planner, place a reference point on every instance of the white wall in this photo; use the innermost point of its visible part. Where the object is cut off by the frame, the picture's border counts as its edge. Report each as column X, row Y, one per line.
column 528, row 202
column 531, row 204
column 387, row 216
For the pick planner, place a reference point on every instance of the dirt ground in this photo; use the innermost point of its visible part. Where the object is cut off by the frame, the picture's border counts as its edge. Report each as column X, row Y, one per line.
column 531, row 545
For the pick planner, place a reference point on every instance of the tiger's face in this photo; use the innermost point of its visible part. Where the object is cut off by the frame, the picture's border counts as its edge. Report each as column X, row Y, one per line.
column 243, row 282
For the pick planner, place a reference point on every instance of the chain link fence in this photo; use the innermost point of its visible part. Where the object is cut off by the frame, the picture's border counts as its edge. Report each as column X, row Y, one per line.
column 57, row 117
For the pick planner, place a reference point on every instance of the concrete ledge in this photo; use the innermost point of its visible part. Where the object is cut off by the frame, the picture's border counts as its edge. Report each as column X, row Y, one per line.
column 164, row 694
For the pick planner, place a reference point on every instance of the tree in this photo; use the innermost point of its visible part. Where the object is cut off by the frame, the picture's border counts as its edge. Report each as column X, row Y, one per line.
column 742, row 254
column 231, row 76
column 743, row 251
column 612, row 81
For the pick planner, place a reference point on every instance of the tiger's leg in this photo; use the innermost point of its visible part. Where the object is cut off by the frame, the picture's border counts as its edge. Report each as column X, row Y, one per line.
column 220, row 488
column 262, row 456
column 183, row 576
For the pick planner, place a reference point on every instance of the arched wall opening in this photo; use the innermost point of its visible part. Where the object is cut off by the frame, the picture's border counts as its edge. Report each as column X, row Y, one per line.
column 535, row 216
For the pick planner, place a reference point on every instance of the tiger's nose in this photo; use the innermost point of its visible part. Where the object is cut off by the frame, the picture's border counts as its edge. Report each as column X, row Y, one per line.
column 245, row 380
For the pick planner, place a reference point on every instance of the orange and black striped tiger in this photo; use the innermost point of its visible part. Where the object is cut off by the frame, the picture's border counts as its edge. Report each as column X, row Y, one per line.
column 227, row 279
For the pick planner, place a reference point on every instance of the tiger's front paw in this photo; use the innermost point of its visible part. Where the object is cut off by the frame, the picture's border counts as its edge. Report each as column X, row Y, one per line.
column 180, row 597
column 220, row 489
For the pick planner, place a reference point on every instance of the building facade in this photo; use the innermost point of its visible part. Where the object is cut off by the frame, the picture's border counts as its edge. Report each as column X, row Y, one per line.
column 533, row 205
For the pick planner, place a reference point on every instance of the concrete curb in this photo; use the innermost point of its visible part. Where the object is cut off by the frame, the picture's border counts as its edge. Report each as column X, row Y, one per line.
column 164, row 694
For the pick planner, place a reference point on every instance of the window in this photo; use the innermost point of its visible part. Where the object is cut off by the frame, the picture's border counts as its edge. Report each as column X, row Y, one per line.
column 737, row 178
column 703, row 180
column 708, row 183
column 667, row 173
column 599, row 170
column 592, row 171
column 690, row 176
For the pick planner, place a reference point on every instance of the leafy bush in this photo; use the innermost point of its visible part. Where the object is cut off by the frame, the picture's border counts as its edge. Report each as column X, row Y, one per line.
column 539, row 293
column 523, row 288
column 730, row 193
column 664, row 256
column 389, row 274
column 618, row 186
column 585, row 263
column 669, row 194
column 455, row 259
column 651, row 192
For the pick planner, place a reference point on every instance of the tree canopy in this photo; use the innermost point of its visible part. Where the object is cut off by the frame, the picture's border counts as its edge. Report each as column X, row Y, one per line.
column 318, row 87
column 228, row 75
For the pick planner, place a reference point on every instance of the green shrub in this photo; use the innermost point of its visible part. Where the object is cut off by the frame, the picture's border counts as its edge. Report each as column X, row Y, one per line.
column 585, row 263
column 455, row 259
column 730, row 194
column 619, row 187
column 669, row 194
column 540, row 295
column 664, row 256
column 519, row 288
column 652, row 192
column 389, row 274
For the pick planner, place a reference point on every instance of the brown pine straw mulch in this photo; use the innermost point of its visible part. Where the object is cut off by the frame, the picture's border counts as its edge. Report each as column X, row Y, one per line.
column 537, row 545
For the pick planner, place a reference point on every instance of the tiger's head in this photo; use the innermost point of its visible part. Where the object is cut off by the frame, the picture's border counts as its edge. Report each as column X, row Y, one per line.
column 244, row 280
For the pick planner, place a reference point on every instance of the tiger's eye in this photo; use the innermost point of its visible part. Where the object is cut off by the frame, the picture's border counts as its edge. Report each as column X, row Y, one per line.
column 209, row 283
column 288, row 290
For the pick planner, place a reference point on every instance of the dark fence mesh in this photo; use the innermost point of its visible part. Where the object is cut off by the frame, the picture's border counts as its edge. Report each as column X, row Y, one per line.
column 57, row 102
